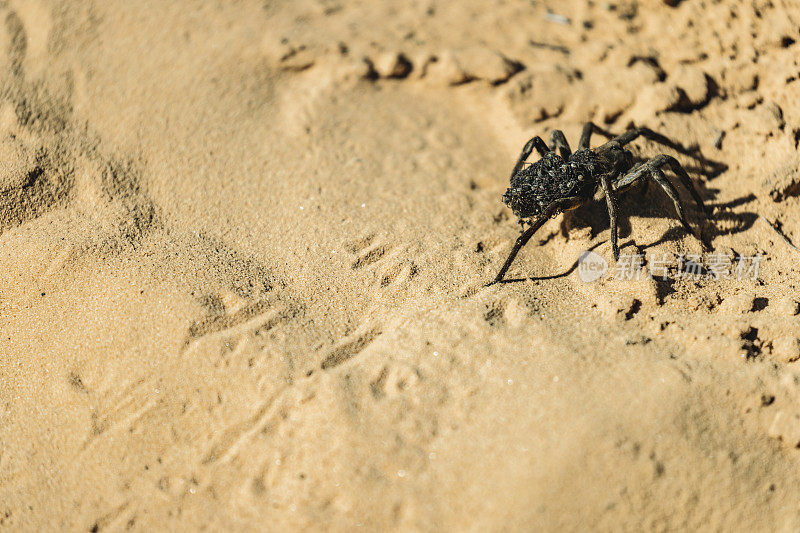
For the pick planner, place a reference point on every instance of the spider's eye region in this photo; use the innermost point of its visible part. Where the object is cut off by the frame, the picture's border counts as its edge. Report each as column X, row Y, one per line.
column 522, row 200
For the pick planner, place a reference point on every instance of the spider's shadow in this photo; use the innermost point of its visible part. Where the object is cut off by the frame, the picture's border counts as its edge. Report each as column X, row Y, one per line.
column 595, row 216
column 564, row 274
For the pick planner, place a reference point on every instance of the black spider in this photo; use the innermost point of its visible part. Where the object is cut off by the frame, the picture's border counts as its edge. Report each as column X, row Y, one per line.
column 560, row 182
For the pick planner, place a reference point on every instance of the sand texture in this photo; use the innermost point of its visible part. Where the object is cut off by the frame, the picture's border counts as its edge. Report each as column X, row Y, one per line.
column 244, row 249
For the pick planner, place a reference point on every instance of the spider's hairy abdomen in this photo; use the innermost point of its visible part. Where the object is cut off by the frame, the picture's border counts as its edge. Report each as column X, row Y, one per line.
column 551, row 178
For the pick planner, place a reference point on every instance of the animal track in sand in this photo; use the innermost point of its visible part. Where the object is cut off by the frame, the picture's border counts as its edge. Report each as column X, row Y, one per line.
column 394, row 379
column 367, row 252
column 235, row 435
column 5, row 517
column 494, row 315
column 256, row 316
column 350, row 347
column 370, row 256
column 114, row 519
column 508, row 311
column 356, row 245
column 123, row 411
column 401, row 272
column 391, row 268
column 120, row 411
column 37, row 190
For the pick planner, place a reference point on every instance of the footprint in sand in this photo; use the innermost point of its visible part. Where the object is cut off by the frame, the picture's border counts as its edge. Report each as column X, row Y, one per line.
column 228, row 314
column 392, row 269
column 350, row 347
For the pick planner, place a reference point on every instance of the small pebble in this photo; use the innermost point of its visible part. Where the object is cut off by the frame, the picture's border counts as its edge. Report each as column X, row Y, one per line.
column 786, row 348
column 392, row 65
column 787, row 306
column 738, row 303
column 474, row 63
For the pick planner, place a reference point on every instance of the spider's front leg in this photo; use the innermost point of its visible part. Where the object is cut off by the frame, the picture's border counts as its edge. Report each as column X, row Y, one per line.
column 522, row 240
column 560, row 205
column 527, row 150
column 559, row 142
column 611, row 203
column 586, row 135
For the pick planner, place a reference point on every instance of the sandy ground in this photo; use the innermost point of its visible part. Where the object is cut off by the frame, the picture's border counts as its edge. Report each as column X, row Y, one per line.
column 245, row 246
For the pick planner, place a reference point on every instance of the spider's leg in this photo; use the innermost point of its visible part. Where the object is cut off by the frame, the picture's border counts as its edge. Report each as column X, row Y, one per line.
column 672, row 163
column 658, row 162
column 611, row 202
column 654, row 136
column 522, row 240
column 627, row 180
column 586, row 135
column 647, row 133
column 559, row 142
column 535, row 142
column 653, row 169
column 662, row 180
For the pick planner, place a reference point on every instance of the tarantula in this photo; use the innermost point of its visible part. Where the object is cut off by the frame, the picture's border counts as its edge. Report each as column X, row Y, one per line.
column 562, row 180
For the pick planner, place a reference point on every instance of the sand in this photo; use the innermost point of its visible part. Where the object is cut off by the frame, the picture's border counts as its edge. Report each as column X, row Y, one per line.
column 244, row 249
